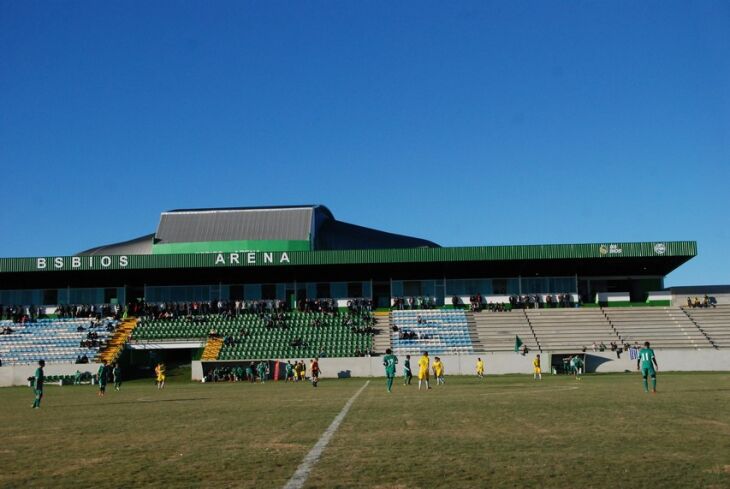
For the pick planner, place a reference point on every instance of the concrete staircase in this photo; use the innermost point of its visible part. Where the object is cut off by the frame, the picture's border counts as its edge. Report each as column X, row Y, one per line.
column 118, row 340
column 713, row 322
column 381, row 339
column 496, row 331
column 475, row 340
column 664, row 327
column 569, row 330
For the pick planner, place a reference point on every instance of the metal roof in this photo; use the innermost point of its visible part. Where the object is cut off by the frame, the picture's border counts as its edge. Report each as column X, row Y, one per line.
column 136, row 246
column 280, row 223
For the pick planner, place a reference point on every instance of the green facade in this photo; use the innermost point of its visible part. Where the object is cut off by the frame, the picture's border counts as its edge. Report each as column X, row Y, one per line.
column 230, row 246
column 602, row 251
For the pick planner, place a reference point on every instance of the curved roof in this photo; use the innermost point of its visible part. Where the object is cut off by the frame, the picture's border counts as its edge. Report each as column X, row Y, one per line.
column 281, row 223
column 136, row 246
column 313, row 227
column 338, row 235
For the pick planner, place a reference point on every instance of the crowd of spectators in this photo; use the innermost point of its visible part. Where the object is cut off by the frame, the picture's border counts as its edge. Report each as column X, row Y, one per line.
column 707, row 301
column 22, row 314
column 404, row 303
column 270, row 309
column 535, row 301
column 91, row 311
column 477, row 302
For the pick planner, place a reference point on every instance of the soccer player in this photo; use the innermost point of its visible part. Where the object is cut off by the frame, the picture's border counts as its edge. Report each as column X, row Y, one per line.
column 576, row 364
column 261, row 368
column 536, row 370
column 407, row 373
column 647, row 362
column 314, row 368
column 302, row 371
column 249, row 373
column 38, row 380
column 438, row 370
column 389, row 362
column 480, row 368
column 101, row 378
column 160, row 375
column 117, row 374
column 423, row 364
column 289, row 371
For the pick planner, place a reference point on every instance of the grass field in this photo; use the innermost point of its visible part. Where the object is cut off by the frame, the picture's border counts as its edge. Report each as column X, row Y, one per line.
column 504, row 431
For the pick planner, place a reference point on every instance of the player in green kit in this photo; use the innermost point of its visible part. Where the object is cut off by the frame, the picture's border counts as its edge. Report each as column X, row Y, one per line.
column 117, row 374
column 648, row 365
column 261, row 368
column 389, row 362
column 101, row 377
column 249, row 373
column 38, row 384
column 289, row 371
column 407, row 373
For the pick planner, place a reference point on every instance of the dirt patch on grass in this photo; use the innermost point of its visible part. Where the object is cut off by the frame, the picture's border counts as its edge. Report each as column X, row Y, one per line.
column 74, row 465
column 393, row 486
column 275, row 445
column 714, row 424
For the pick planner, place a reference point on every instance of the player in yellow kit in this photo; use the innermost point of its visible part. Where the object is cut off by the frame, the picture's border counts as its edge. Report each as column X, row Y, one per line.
column 423, row 364
column 537, row 371
column 438, row 370
column 480, row 368
column 160, row 375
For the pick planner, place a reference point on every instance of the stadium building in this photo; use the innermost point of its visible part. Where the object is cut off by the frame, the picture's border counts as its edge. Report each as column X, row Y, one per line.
column 304, row 252
column 284, row 257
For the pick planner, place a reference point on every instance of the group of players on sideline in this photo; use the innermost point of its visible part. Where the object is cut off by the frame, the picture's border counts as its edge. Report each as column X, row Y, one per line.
column 646, row 363
column 253, row 372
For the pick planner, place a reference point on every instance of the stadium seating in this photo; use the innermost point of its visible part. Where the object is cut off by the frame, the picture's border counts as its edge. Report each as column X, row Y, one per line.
column 497, row 330
column 713, row 321
column 251, row 339
column 54, row 340
column 570, row 329
column 664, row 327
column 440, row 332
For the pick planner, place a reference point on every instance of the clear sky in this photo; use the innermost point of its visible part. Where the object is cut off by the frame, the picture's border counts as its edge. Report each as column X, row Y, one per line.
column 467, row 123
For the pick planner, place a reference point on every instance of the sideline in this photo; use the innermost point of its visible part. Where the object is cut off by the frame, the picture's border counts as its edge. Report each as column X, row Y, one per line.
column 300, row 476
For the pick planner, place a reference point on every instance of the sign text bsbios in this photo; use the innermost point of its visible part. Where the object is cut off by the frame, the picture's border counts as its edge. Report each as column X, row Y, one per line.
column 79, row 261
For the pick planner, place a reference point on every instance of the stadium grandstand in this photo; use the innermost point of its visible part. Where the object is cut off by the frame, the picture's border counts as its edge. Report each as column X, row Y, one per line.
column 227, row 285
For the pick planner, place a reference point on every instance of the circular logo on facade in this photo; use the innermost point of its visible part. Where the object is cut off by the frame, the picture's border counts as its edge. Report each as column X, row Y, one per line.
column 660, row 248
column 603, row 250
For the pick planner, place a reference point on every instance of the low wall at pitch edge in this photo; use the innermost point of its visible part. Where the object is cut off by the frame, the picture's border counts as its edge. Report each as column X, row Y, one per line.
column 497, row 363
column 18, row 374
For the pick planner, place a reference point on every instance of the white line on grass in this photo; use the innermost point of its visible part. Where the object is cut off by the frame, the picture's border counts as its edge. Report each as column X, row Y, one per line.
column 300, row 476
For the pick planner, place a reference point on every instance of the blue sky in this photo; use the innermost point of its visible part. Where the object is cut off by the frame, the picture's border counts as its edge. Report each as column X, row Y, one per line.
column 470, row 123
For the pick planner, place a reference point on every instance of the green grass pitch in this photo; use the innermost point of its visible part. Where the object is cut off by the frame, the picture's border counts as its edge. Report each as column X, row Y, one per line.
column 507, row 431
